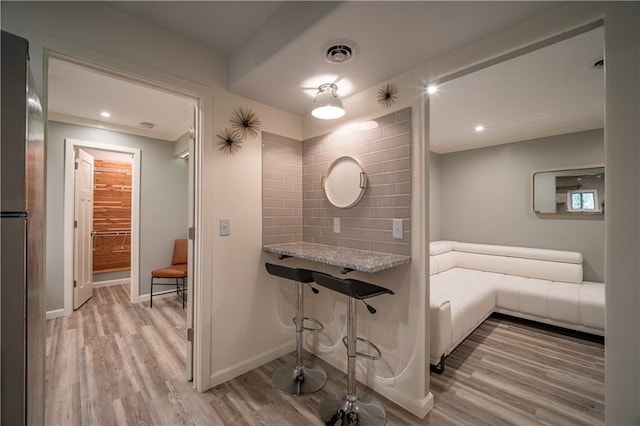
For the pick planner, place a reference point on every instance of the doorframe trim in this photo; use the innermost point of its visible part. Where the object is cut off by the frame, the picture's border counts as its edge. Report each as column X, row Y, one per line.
column 203, row 199
column 69, row 184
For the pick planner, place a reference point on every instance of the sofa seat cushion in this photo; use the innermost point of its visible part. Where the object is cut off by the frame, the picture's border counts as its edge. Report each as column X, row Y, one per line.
column 563, row 302
column 592, row 301
column 471, row 295
column 576, row 306
column 520, row 294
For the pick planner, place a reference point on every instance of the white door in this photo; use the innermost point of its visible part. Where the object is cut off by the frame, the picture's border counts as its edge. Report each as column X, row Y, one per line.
column 191, row 224
column 83, row 247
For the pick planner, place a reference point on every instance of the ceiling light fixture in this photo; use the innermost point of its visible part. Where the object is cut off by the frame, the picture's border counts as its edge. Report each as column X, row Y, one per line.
column 431, row 89
column 147, row 125
column 105, row 114
column 479, row 128
column 327, row 103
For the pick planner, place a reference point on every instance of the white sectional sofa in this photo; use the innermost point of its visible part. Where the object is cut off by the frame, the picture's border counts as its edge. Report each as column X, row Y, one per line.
column 471, row 281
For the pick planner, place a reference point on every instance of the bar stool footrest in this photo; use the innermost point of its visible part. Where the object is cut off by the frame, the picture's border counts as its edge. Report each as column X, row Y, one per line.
column 374, row 357
column 319, row 326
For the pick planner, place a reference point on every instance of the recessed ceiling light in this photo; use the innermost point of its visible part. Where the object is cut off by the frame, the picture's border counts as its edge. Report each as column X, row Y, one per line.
column 479, row 128
column 431, row 89
column 105, row 114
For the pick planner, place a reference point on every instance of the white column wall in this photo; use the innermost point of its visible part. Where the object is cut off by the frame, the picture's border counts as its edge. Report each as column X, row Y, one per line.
column 622, row 221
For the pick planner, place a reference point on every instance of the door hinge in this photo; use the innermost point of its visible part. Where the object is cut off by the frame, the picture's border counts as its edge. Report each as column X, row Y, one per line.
column 190, row 335
column 75, row 223
column 75, row 283
column 192, row 233
column 76, row 165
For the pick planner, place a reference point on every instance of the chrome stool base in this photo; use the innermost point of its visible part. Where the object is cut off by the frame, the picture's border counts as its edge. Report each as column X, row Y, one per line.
column 365, row 410
column 311, row 379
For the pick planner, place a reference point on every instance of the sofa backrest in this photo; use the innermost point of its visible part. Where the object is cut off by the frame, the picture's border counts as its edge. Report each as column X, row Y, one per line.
column 553, row 265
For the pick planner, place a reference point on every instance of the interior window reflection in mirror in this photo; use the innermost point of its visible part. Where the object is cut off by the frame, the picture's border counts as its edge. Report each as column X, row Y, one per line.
column 569, row 191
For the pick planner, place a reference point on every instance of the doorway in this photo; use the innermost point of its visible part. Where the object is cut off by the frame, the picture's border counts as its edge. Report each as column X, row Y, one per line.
column 167, row 152
column 80, row 244
column 103, row 189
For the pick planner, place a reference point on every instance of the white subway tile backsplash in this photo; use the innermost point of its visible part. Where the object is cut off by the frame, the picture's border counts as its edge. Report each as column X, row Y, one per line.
column 296, row 206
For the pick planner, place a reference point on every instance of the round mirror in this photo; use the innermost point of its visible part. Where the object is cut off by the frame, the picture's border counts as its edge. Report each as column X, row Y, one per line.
column 345, row 183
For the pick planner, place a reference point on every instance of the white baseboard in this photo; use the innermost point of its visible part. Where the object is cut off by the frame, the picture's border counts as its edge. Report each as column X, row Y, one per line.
column 418, row 408
column 250, row 363
column 161, row 294
column 56, row 313
column 110, row 283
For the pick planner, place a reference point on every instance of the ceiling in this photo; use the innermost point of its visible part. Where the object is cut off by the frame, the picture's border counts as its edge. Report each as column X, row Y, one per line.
column 275, row 51
column 551, row 91
column 79, row 95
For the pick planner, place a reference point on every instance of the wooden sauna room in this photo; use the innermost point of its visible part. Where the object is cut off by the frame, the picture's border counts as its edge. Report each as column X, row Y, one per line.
column 112, row 216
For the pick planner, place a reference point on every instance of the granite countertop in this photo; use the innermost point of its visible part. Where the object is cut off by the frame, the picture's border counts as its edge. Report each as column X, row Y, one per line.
column 347, row 258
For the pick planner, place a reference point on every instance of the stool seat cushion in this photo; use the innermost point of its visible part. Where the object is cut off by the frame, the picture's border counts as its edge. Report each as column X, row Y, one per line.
column 350, row 287
column 294, row 274
column 173, row 271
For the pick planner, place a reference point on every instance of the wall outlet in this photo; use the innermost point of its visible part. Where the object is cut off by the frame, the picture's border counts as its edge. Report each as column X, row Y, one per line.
column 397, row 229
column 336, row 225
column 225, row 227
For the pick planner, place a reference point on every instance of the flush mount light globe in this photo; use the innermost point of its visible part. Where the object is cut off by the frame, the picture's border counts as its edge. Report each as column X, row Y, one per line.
column 327, row 104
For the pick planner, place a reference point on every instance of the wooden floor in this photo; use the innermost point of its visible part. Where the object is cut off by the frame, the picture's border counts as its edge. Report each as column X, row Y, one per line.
column 116, row 363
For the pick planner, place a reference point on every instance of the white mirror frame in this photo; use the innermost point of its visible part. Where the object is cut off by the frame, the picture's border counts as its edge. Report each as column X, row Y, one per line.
column 345, row 183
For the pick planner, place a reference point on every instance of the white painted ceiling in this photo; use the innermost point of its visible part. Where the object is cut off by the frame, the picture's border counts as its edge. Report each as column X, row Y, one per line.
column 79, row 95
column 274, row 54
column 551, row 91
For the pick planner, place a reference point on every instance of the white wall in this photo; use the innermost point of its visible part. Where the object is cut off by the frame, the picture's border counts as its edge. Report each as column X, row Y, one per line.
column 435, row 201
column 622, row 241
column 163, row 201
column 486, row 197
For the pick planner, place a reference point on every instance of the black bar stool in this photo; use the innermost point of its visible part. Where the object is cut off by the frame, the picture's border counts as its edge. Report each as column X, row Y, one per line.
column 294, row 378
column 351, row 407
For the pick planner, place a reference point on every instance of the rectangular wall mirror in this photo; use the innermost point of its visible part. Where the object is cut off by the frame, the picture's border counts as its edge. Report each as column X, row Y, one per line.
column 570, row 191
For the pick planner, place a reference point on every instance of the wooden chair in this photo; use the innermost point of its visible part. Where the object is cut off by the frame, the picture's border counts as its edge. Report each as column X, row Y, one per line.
column 177, row 271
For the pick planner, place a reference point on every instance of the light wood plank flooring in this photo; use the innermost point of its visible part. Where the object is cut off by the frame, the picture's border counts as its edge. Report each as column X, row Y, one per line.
column 116, row 363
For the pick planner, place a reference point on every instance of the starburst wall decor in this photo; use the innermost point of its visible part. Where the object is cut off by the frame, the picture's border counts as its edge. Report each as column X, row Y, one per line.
column 246, row 122
column 387, row 95
column 229, row 141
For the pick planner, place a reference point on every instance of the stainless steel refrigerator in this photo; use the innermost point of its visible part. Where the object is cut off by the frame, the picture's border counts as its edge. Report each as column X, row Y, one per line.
column 22, row 249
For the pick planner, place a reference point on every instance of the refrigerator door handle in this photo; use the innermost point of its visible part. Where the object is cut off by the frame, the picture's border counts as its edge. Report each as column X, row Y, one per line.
column 15, row 215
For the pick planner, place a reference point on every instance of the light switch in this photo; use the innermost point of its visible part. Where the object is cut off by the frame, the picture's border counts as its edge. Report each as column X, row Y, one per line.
column 397, row 229
column 336, row 225
column 225, row 227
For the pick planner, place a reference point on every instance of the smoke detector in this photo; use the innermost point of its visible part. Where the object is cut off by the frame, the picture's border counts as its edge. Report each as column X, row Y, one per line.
column 339, row 51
